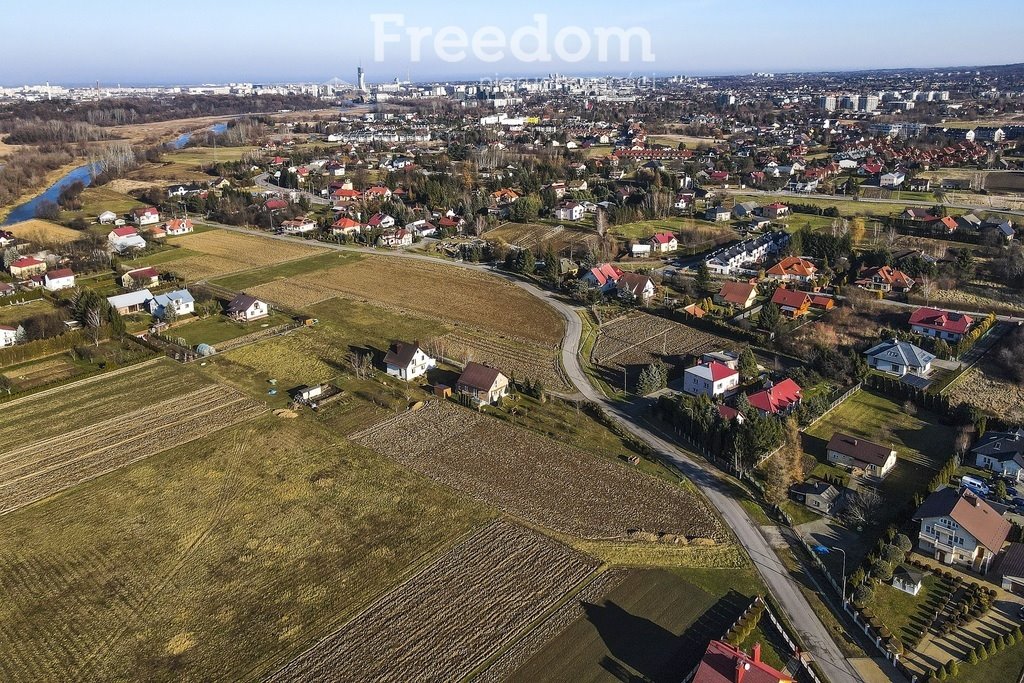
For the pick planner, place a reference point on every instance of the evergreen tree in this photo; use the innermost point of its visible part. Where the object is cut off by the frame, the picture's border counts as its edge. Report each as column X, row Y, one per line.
column 703, row 277
column 769, row 317
column 747, row 365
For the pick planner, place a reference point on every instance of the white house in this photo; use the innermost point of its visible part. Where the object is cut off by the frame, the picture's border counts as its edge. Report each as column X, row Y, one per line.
column 958, row 527
column 179, row 301
column 892, row 180
column 569, row 211
column 146, row 216
column 640, row 250
column 407, row 361
column 124, row 239
column 1001, row 452
column 107, row 217
column 899, row 358
column 753, row 251
column 8, row 335
column 245, row 308
column 907, row 579
column 482, row 383
column 710, row 379
column 664, row 242
column 56, row 280
column 178, row 226
column 635, row 287
column 298, row 226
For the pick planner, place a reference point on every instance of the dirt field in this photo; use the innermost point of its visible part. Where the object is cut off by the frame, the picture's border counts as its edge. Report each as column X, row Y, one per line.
column 220, row 560
column 72, row 406
column 36, row 469
column 537, row 479
column 516, row 359
column 43, row 232
column 533, row 235
column 453, row 614
column 637, row 339
column 985, row 387
column 435, row 290
column 222, row 252
column 43, row 372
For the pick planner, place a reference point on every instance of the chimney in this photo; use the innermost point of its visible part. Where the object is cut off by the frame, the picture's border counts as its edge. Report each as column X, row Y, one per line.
column 757, row 653
column 741, row 670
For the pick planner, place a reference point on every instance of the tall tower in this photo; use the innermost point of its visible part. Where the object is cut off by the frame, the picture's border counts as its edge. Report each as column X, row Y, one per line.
column 361, row 79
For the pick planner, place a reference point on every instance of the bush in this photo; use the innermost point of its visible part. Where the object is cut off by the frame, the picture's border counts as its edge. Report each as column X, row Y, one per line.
column 862, row 596
column 981, row 653
column 992, row 648
column 954, row 669
column 972, row 656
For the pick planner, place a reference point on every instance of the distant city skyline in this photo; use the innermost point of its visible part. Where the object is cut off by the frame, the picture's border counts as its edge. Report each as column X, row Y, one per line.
column 188, row 42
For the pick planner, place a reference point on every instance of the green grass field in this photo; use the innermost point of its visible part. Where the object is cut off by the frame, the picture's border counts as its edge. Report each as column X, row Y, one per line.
column 1007, row 665
column 15, row 313
column 218, row 328
column 251, row 278
column 652, row 627
column 96, row 200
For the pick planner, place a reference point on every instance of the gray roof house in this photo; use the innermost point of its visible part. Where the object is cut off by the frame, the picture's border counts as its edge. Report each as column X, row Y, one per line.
column 899, row 358
column 818, row 495
column 1001, row 452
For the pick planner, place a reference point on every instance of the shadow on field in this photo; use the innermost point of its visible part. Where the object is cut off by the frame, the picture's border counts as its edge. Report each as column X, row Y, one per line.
column 642, row 650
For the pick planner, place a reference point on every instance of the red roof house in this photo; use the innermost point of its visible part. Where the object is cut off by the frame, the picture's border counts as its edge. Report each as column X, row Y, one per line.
column 941, row 324
column 778, row 399
column 723, row 663
column 791, row 303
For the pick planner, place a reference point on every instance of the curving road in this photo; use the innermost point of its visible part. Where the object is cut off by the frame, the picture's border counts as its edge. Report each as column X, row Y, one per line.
column 815, row 637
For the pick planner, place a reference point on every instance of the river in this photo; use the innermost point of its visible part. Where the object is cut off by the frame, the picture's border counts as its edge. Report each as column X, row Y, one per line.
column 26, row 211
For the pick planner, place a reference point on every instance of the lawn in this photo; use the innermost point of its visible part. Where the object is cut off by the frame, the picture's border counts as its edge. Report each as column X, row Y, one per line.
column 216, row 561
column 218, row 328
column 96, row 200
column 12, row 314
column 1007, row 665
column 159, row 258
column 650, row 627
column 899, row 610
column 259, row 276
column 800, row 514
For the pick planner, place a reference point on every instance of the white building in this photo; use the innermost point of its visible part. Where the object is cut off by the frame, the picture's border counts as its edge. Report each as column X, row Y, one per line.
column 56, row 280
column 958, row 527
column 407, row 361
column 8, row 335
column 710, row 379
column 245, row 308
column 180, row 302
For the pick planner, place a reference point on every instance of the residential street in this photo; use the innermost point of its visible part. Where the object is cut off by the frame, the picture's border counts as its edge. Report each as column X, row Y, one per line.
column 813, row 633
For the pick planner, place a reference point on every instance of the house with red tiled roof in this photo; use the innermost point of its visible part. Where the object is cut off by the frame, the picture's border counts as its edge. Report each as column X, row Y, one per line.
column 710, row 379
column 346, row 226
column 793, row 269
column 663, row 242
column 738, row 294
column 791, row 303
column 958, row 527
column 604, row 277
column 775, row 211
column 724, row 663
column 26, row 267
column 778, row 399
column 377, row 192
column 885, row 279
column 933, row 322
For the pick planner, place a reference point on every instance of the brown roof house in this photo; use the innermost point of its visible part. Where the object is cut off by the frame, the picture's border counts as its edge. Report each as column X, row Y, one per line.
column 482, row 383
column 244, row 308
column 407, row 361
column 958, row 527
column 875, row 459
column 739, row 294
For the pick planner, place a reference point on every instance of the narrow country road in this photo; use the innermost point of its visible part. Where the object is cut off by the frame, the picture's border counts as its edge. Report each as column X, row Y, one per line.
column 815, row 636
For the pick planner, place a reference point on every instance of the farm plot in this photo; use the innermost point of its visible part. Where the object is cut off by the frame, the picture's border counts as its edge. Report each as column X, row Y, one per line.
column 516, row 359
column 635, row 340
column 219, row 252
column 33, row 471
column 451, row 615
column 426, row 288
column 533, row 235
column 85, row 402
column 43, row 232
column 42, row 372
column 537, row 479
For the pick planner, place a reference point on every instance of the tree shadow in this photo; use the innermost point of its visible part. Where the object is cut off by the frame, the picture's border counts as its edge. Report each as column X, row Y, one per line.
column 637, row 644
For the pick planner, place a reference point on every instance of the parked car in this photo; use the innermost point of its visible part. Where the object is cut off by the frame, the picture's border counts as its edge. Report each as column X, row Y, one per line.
column 975, row 484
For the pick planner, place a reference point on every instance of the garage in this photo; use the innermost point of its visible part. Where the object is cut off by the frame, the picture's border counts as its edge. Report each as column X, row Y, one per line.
column 1011, row 569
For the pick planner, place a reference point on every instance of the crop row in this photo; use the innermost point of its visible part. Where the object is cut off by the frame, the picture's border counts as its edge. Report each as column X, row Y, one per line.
column 537, row 479
column 458, row 611
column 515, row 359
column 44, row 467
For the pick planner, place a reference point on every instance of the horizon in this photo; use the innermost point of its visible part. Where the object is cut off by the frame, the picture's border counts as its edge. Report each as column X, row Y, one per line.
column 186, row 44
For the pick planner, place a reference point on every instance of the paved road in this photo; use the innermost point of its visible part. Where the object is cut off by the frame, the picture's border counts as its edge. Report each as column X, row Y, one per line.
column 815, row 636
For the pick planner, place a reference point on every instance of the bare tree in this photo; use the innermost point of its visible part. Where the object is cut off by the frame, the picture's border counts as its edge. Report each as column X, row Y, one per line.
column 863, row 507
column 94, row 323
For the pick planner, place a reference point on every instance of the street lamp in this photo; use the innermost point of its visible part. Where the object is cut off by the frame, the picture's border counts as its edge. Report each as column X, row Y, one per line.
column 825, row 550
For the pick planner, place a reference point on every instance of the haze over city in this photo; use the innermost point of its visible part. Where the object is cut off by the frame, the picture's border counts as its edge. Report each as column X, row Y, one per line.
column 314, row 40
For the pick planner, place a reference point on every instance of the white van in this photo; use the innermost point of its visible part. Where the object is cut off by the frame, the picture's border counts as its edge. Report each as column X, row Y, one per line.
column 975, row 484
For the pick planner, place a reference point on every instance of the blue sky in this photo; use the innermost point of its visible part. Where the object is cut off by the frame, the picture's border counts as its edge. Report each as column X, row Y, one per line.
column 193, row 41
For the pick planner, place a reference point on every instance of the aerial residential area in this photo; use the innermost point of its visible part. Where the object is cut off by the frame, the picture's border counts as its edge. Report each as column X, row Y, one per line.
column 629, row 355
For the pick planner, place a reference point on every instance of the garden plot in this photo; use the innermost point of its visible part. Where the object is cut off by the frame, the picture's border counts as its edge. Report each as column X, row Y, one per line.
column 516, row 359
column 37, row 469
column 455, row 613
column 537, row 479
